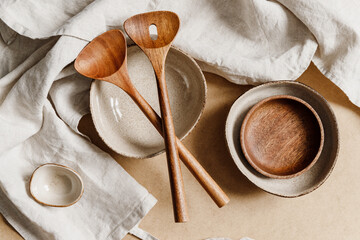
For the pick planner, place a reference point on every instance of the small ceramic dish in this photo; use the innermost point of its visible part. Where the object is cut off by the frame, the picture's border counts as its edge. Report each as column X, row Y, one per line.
column 282, row 136
column 122, row 125
column 318, row 173
column 56, row 185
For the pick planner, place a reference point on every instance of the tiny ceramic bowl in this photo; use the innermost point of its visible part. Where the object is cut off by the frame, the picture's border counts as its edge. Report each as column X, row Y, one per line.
column 282, row 136
column 56, row 185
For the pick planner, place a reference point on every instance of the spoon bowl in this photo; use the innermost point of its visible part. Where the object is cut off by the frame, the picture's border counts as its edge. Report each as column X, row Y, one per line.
column 110, row 56
column 167, row 25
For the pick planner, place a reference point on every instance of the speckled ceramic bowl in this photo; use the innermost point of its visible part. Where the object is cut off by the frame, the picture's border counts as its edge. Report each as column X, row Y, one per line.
column 56, row 185
column 122, row 125
column 318, row 173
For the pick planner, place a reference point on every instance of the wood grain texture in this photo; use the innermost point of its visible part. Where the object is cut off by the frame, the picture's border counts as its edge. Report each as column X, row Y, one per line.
column 282, row 136
column 203, row 177
column 167, row 24
column 96, row 60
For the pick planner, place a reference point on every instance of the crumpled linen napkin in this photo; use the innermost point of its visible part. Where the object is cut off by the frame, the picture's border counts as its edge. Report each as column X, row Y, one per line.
column 42, row 98
column 36, row 79
column 245, row 41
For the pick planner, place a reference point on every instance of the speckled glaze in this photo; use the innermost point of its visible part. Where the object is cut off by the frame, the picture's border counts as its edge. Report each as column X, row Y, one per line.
column 56, row 185
column 123, row 126
column 317, row 174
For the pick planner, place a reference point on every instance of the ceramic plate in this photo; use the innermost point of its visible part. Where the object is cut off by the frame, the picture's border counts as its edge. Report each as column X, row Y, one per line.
column 315, row 176
column 122, row 125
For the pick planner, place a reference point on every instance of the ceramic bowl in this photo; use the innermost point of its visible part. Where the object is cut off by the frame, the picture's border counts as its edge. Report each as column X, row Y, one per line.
column 318, row 173
column 56, row 185
column 122, row 125
column 282, row 136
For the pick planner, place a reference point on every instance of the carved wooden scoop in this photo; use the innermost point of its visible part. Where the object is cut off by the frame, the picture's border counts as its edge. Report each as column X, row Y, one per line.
column 156, row 49
column 105, row 58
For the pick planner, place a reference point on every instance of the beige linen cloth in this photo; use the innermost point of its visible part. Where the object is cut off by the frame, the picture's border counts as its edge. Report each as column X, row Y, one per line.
column 42, row 98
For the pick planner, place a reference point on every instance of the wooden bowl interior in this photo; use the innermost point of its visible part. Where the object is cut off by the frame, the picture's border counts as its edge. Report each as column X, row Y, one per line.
column 282, row 137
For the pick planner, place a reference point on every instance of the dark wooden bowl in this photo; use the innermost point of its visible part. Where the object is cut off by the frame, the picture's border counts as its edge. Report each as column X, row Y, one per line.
column 282, row 136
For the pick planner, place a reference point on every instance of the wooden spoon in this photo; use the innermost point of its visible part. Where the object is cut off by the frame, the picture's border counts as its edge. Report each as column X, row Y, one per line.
column 105, row 58
column 156, row 49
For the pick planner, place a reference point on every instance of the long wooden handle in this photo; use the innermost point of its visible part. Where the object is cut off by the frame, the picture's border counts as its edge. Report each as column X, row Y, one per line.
column 203, row 177
column 172, row 154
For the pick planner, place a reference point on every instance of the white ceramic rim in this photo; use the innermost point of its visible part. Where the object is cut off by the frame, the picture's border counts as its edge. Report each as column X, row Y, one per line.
column 57, row 165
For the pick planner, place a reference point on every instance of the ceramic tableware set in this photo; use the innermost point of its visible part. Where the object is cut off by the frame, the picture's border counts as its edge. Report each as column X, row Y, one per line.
column 106, row 59
column 282, row 136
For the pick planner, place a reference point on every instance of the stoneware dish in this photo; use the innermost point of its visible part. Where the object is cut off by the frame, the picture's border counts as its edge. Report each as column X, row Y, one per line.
column 282, row 136
column 122, row 125
column 318, row 173
column 56, row 185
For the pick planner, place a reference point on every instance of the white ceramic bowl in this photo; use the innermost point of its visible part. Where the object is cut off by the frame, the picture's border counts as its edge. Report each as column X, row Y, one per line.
column 317, row 174
column 56, row 185
column 122, row 125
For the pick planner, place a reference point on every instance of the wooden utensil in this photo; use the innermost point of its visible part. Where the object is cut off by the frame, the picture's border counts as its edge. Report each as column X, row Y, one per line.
column 105, row 59
column 282, row 136
column 156, row 49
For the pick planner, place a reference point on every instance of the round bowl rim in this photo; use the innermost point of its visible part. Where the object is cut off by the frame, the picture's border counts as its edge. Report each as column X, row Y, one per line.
column 62, row 166
column 246, row 122
column 126, row 154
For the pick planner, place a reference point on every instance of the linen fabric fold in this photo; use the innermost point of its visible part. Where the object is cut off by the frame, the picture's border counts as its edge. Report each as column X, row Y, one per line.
column 35, row 79
column 245, row 41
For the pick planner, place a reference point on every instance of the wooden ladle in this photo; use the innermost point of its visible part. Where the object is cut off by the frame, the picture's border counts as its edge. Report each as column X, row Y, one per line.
column 156, row 49
column 105, row 58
